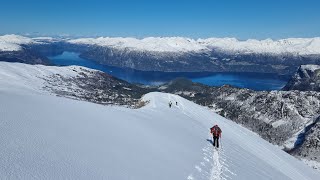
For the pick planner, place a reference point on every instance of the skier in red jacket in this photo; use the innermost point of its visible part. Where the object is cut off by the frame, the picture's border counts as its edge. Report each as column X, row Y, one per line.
column 216, row 134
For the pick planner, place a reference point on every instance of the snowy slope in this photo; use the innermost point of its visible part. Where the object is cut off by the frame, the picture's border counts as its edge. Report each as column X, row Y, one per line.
column 12, row 42
column 302, row 46
column 17, row 76
column 48, row 137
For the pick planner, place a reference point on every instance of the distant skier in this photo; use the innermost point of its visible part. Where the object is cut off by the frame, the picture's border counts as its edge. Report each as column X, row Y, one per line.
column 170, row 104
column 176, row 103
column 216, row 134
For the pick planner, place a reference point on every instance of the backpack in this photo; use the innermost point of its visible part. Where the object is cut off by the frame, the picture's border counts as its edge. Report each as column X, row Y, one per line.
column 216, row 131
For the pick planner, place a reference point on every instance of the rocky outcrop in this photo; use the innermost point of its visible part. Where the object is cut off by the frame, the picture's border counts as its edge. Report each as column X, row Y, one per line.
column 310, row 145
column 96, row 87
column 307, row 78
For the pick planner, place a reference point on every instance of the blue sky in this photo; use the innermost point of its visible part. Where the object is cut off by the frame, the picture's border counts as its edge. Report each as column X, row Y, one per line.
column 242, row 19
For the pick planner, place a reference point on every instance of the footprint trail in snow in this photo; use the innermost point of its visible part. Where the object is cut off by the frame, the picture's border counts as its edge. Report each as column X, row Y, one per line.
column 216, row 171
column 213, row 167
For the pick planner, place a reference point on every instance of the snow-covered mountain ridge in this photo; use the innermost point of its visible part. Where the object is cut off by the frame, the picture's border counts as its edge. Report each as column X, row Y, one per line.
column 12, row 42
column 58, row 138
column 171, row 54
column 177, row 54
column 302, row 46
column 157, row 44
column 15, row 48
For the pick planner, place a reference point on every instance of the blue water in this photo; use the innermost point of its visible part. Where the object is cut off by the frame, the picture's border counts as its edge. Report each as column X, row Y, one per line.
column 245, row 80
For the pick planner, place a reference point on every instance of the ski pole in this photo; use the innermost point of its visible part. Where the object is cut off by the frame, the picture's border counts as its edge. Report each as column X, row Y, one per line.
column 211, row 137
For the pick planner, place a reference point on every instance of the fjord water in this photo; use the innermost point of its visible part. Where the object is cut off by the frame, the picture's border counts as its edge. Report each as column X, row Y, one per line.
column 255, row 81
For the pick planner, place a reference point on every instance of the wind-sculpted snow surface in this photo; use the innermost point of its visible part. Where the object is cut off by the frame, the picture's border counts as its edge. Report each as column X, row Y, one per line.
column 49, row 137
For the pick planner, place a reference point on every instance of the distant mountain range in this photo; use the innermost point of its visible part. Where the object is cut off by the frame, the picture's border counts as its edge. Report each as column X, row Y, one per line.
column 174, row 54
column 295, row 46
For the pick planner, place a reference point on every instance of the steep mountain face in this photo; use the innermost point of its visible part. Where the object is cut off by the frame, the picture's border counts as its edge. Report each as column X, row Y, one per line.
column 151, row 61
column 309, row 145
column 307, row 78
column 56, row 47
column 48, row 49
column 211, row 61
column 213, row 54
column 24, row 56
column 277, row 116
column 14, row 48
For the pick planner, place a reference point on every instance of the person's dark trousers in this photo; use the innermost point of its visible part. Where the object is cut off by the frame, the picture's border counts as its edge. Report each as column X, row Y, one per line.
column 216, row 141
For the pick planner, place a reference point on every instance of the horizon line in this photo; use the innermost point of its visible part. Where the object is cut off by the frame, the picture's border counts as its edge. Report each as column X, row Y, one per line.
column 29, row 35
